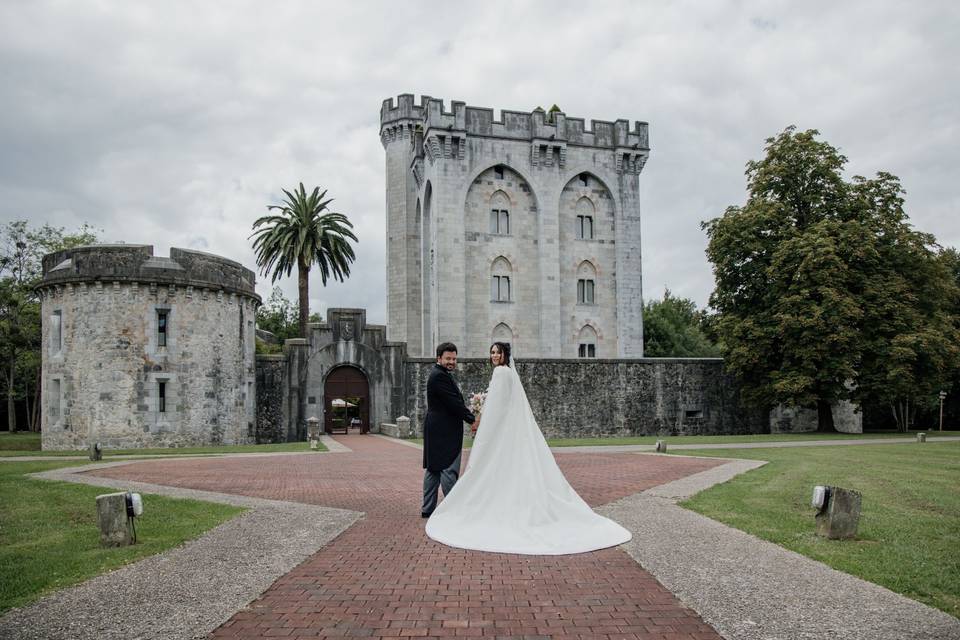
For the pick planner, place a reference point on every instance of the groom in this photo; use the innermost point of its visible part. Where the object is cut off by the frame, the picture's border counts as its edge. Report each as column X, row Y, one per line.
column 442, row 429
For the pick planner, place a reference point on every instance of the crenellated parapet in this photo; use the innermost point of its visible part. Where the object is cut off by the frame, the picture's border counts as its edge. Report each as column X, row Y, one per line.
column 97, row 266
column 554, row 130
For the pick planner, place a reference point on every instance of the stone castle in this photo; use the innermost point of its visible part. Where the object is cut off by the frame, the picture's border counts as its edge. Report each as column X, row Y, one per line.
column 524, row 229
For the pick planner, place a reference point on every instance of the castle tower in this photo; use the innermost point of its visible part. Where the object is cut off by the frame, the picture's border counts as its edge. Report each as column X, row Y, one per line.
column 399, row 131
column 146, row 351
column 524, row 229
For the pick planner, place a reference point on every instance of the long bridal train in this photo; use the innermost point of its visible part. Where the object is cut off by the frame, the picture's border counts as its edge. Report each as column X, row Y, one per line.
column 513, row 498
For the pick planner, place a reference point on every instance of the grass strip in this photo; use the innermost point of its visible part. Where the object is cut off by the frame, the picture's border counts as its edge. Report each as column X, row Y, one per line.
column 50, row 539
column 909, row 524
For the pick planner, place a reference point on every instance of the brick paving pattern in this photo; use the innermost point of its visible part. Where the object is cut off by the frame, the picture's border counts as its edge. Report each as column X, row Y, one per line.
column 383, row 578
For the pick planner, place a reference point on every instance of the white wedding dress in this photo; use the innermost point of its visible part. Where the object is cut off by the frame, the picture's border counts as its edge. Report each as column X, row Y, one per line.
column 512, row 497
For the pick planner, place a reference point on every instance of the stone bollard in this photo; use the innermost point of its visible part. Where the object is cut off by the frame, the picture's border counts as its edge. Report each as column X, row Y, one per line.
column 313, row 431
column 921, row 437
column 839, row 516
column 96, row 451
column 403, row 427
column 661, row 446
column 112, row 515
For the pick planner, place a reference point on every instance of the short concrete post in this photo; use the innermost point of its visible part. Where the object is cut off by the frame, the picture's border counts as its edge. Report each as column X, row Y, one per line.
column 313, row 431
column 403, row 427
column 921, row 437
column 96, row 451
column 112, row 515
column 661, row 446
column 840, row 515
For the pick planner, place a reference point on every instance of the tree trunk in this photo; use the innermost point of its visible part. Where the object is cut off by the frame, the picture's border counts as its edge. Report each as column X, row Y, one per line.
column 35, row 416
column 901, row 414
column 26, row 401
column 303, row 273
column 825, row 417
column 11, row 405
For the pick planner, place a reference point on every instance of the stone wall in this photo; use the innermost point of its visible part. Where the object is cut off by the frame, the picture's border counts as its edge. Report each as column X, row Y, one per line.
column 576, row 398
column 271, row 398
column 108, row 377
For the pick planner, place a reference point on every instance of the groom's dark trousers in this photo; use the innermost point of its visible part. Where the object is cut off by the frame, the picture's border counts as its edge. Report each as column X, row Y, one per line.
column 442, row 436
column 433, row 481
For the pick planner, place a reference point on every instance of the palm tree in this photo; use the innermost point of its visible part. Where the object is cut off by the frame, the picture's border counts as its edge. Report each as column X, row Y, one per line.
column 304, row 233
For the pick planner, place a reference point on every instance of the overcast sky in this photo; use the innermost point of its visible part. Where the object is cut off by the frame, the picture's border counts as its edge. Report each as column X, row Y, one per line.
column 176, row 123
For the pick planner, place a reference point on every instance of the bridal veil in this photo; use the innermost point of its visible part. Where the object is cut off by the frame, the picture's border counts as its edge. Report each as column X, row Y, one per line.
column 512, row 497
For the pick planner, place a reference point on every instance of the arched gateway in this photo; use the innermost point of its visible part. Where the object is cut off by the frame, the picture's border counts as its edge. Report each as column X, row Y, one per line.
column 346, row 397
column 345, row 372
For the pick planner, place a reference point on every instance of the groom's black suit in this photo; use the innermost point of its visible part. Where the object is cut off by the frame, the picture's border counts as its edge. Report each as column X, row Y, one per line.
column 443, row 425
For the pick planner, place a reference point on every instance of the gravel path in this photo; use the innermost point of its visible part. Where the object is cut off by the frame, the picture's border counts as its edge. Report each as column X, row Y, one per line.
column 185, row 592
column 749, row 589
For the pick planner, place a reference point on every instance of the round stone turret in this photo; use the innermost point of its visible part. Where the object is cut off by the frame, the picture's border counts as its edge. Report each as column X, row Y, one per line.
column 146, row 351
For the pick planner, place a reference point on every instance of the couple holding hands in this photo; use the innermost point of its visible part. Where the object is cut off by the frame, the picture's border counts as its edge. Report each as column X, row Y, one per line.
column 512, row 498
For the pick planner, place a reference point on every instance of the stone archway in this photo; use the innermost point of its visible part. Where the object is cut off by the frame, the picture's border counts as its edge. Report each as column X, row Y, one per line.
column 346, row 400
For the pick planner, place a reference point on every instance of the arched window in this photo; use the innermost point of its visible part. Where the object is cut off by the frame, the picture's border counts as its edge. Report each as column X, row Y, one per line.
column 585, row 217
column 586, row 283
column 500, row 274
column 502, row 333
column 500, row 214
column 587, row 342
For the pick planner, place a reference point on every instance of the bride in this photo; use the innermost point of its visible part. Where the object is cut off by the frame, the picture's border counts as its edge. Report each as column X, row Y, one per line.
column 513, row 498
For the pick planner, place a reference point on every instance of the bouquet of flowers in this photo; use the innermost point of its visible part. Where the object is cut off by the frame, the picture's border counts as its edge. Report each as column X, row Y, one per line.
column 476, row 402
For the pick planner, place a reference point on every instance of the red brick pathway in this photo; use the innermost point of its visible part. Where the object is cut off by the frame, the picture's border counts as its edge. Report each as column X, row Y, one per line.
column 383, row 578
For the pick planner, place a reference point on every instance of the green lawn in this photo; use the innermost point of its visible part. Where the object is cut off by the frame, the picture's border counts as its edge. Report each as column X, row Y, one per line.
column 778, row 437
column 910, row 521
column 28, row 444
column 49, row 537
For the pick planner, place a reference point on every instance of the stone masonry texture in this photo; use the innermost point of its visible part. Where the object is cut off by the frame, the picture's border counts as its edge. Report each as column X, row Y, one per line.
column 446, row 171
column 108, row 377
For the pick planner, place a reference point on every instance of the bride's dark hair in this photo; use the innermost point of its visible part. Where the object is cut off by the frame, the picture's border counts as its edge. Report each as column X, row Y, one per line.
column 504, row 352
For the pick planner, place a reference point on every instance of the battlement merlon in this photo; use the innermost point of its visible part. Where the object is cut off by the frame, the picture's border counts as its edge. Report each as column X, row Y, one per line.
column 517, row 125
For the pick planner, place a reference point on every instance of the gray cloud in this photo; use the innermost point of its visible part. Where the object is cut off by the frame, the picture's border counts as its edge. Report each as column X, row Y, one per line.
column 176, row 124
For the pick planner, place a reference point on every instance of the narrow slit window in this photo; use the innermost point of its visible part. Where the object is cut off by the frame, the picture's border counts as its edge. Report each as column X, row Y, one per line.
column 584, row 180
column 162, row 326
column 498, row 172
column 56, row 331
column 55, row 400
column 162, row 396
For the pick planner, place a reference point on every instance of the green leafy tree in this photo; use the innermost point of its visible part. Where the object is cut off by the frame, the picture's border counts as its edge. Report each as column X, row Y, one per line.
column 818, row 284
column 278, row 316
column 303, row 234
column 673, row 327
column 910, row 304
column 22, row 248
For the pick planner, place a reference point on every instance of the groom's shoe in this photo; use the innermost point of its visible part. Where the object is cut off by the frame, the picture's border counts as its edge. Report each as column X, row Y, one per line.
column 425, row 515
